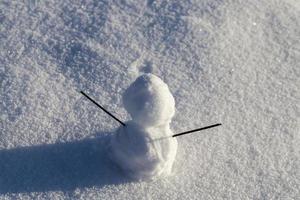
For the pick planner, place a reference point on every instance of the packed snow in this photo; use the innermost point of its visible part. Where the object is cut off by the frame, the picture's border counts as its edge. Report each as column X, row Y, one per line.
column 225, row 61
column 149, row 101
column 144, row 148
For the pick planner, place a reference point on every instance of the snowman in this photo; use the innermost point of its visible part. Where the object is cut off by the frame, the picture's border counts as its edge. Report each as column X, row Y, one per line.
column 144, row 148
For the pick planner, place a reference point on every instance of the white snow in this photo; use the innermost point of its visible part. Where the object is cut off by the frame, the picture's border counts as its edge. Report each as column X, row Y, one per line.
column 144, row 148
column 149, row 101
column 218, row 65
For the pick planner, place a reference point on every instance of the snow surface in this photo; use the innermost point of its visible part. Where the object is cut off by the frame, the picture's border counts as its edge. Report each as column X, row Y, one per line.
column 229, row 61
column 144, row 148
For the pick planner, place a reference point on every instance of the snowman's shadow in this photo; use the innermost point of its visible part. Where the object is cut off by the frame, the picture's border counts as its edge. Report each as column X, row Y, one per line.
column 62, row 166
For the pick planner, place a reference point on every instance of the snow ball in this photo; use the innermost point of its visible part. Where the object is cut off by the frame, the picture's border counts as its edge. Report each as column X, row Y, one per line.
column 149, row 101
column 144, row 153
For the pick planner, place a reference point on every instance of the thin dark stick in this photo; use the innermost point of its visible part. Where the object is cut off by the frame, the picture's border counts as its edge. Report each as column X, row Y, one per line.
column 199, row 129
column 103, row 108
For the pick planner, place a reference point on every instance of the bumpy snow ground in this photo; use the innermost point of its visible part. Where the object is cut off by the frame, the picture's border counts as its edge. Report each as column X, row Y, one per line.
column 234, row 62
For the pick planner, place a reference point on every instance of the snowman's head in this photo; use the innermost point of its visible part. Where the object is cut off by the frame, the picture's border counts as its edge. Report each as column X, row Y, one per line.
column 149, row 101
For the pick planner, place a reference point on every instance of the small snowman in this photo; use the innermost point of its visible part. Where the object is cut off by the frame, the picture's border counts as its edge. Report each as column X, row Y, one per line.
column 144, row 148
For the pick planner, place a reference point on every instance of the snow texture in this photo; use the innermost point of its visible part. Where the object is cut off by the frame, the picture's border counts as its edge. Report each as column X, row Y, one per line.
column 149, row 101
column 144, row 148
column 234, row 62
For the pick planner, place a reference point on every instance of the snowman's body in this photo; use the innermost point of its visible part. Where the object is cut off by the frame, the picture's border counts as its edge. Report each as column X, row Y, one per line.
column 144, row 148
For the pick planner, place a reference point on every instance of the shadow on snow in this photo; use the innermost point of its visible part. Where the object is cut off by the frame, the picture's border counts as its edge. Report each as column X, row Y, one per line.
column 62, row 166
